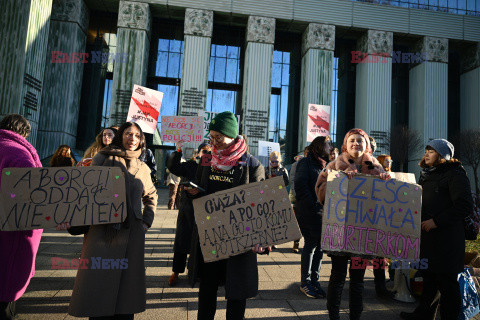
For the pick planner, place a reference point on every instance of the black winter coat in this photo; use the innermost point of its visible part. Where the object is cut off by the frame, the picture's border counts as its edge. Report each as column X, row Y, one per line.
column 185, row 219
column 446, row 199
column 307, row 209
column 276, row 172
column 242, row 270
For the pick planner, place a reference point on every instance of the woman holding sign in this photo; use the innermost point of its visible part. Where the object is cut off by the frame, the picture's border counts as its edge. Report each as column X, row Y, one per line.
column 228, row 166
column 355, row 158
column 18, row 249
column 446, row 201
column 118, row 293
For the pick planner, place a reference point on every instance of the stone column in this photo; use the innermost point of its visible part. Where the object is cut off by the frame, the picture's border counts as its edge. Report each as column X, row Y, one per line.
column 317, row 73
column 133, row 41
column 257, row 80
column 24, row 31
column 196, row 59
column 428, row 98
column 470, row 96
column 373, row 89
column 63, row 73
column 470, row 89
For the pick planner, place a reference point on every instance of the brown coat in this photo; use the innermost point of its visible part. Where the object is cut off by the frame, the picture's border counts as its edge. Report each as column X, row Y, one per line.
column 98, row 292
column 344, row 162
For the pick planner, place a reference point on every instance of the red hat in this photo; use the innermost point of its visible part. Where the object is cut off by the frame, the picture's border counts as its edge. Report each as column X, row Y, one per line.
column 360, row 132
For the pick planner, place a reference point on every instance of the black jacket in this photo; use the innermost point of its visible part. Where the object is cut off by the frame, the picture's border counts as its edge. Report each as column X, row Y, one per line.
column 446, row 199
column 308, row 210
column 277, row 172
column 242, row 270
column 185, row 219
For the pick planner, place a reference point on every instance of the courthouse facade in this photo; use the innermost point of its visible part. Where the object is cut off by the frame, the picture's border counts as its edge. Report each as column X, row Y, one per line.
column 69, row 66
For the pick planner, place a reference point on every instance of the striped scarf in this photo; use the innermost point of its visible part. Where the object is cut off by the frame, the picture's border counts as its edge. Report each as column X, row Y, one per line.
column 226, row 159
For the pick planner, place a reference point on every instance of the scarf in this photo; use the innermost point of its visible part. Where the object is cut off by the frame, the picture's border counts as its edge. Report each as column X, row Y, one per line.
column 112, row 161
column 225, row 159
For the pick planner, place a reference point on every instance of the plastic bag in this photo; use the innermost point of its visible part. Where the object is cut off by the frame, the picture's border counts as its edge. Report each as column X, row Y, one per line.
column 468, row 295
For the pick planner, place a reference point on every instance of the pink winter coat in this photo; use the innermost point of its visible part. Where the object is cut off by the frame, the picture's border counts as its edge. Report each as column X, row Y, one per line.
column 18, row 249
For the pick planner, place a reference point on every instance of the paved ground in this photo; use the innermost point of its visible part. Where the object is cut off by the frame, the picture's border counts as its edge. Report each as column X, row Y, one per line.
column 49, row 292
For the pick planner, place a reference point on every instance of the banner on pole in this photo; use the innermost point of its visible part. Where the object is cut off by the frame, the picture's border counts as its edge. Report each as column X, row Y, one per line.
column 318, row 122
column 145, row 108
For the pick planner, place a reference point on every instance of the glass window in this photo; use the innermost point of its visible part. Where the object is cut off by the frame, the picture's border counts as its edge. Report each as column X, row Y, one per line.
column 169, row 58
column 333, row 110
column 279, row 97
column 107, row 94
column 221, row 100
column 463, row 7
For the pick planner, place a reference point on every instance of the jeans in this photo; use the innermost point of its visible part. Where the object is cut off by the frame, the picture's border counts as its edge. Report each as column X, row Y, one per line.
column 311, row 260
column 335, row 288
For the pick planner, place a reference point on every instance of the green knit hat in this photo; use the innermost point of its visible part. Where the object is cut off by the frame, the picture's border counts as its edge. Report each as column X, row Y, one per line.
column 225, row 123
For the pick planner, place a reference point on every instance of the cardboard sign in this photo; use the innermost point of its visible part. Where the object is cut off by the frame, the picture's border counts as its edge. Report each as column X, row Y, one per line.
column 144, row 108
column 403, row 176
column 39, row 198
column 186, row 128
column 318, row 122
column 207, row 118
column 235, row 220
column 264, row 150
column 369, row 216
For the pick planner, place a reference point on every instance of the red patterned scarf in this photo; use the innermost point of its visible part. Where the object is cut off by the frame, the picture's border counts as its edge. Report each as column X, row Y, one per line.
column 225, row 159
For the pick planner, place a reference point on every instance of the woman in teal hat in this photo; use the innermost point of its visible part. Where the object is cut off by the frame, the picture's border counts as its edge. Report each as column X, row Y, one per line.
column 229, row 166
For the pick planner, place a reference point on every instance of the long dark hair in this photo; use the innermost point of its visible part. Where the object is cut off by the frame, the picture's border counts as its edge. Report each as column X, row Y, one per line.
column 317, row 147
column 118, row 139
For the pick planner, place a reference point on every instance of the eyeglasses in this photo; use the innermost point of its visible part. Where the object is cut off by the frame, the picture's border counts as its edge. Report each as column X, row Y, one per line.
column 203, row 151
column 274, row 161
column 219, row 138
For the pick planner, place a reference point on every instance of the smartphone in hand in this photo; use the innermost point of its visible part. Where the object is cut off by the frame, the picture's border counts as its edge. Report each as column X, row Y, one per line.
column 192, row 185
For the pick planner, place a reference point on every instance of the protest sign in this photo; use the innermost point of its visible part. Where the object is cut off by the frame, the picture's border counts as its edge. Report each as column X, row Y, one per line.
column 186, row 128
column 233, row 221
column 403, row 176
column 207, row 118
column 318, row 122
column 369, row 216
column 264, row 150
column 144, row 108
column 38, row 198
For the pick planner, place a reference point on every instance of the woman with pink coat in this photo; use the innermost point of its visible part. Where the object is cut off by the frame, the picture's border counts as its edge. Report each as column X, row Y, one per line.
column 18, row 249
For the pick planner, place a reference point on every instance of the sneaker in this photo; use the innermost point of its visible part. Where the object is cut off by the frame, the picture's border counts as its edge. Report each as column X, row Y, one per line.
column 309, row 290
column 320, row 292
column 172, row 281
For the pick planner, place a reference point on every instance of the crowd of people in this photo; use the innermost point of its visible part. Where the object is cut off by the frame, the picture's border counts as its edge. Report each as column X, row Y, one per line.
column 121, row 293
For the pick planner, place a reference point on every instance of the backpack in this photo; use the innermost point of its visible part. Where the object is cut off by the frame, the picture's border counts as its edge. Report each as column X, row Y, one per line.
column 472, row 221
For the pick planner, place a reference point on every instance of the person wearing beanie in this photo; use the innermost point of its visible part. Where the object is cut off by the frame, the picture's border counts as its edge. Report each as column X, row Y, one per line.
column 446, row 201
column 185, row 220
column 228, row 166
column 356, row 157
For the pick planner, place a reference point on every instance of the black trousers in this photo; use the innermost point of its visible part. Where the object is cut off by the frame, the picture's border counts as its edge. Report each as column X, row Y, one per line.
column 212, row 275
column 7, row 310
column 335, row 288
column 179, row 262
column 449, row 289
column 114, row 317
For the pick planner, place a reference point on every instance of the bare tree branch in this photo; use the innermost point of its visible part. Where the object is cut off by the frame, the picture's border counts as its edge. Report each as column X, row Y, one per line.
column 468, row 150
column 403, row 141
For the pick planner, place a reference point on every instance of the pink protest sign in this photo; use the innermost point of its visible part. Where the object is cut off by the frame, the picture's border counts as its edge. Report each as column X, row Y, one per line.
column 318, row 122
column 145, row 107
column 186, row 128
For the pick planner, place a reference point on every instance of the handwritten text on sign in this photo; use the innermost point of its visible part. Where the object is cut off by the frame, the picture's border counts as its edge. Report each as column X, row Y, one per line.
column 188, row 129
column 145, row 107
column 369, row 216
column 235, row 220
column 36, row 198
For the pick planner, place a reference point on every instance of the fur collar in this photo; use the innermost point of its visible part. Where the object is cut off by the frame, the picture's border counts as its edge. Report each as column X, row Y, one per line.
column 344, row 162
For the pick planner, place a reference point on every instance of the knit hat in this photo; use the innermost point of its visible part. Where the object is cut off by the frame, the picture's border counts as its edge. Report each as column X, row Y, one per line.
column 225, row 123
column 444, row 148
column 360, row 132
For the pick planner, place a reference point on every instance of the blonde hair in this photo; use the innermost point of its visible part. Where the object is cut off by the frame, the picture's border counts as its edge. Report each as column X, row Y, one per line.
column 277, row 155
